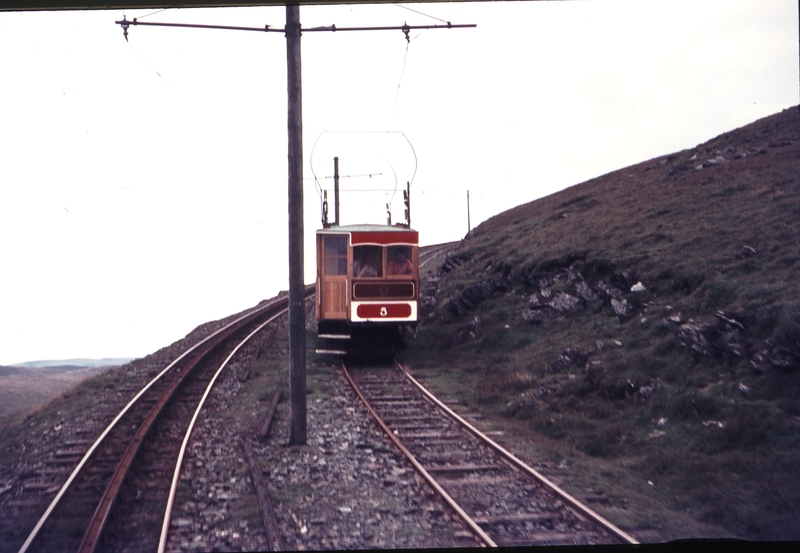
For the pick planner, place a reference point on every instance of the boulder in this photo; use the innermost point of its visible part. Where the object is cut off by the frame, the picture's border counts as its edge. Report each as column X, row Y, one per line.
column 609, row 291
column 586, row 293
column 747, row 251
column 621, row 308
column 728, row 321
column 469, row 298
column 719, row 160
column 533, row 316
column 565, row 303
column 692, row 335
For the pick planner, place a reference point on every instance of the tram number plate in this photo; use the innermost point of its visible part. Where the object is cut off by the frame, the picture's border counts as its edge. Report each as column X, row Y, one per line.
column 390, row 311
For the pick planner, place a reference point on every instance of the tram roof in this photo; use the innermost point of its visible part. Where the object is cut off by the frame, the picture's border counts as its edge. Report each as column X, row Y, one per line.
column 365, row 228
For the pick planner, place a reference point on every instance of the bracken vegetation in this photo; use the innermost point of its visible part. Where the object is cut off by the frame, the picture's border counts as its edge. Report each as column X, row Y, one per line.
column 645, row 325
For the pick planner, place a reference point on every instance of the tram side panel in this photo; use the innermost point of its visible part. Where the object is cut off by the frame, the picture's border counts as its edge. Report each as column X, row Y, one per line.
column 333, row 260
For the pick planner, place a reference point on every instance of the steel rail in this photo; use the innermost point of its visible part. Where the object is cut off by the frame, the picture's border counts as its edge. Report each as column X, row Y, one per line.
column 90, row 452
column 434, row 253
column 98, row 521
column 103, row 435
column 162, row 544
column 563, row 495
column 97, row 524
column 434, row 484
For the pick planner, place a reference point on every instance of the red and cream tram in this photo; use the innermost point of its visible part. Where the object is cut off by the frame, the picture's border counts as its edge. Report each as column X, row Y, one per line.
column 367, row 286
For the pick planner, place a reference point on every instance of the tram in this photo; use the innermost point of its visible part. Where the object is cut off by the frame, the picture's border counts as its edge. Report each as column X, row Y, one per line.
column 367, row 282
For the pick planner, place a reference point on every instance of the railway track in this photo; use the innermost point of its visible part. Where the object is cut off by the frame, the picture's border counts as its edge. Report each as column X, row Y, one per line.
column 435, row 252
column 117, row 495
column 502, row 500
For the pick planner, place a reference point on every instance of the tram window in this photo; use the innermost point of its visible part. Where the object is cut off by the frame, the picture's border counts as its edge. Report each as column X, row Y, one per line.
column 335, row 255
column 367, row 261
column 399, row 261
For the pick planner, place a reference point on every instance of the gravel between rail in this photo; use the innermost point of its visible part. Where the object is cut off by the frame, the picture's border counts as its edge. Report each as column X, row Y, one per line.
column 348, row 488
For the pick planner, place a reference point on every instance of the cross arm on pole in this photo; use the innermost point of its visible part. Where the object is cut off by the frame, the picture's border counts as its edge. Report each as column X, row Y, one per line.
column 125, row 23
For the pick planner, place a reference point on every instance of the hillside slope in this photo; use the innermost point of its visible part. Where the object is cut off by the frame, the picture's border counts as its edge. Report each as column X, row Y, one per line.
column 647, row 320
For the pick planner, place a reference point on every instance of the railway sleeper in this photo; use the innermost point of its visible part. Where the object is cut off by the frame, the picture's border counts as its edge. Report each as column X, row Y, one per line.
column 411, row 426
column 465, row 468
column 391, row 419
column 428, row 436
column 480, row 481
column 550, row 538
column 63, row 454
column 538, row 518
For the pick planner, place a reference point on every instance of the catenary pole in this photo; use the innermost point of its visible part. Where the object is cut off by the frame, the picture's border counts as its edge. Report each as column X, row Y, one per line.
column 297, row 312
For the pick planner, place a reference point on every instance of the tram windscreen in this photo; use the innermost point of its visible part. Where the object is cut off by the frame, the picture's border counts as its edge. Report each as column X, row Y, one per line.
column 367, row 261
column 399, row 261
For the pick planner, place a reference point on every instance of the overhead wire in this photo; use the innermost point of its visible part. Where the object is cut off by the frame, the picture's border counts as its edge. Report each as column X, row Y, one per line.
column 153, row 13
column 419, row 12
column 400, row 82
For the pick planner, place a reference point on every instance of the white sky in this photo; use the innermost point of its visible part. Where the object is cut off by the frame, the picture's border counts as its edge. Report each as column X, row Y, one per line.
column 118, row 159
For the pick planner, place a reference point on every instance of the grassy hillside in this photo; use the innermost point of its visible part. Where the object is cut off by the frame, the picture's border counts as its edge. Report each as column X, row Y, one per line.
column 647, row 323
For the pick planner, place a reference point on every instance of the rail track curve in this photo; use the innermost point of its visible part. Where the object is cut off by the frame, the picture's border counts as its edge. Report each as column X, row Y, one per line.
column 78, row 514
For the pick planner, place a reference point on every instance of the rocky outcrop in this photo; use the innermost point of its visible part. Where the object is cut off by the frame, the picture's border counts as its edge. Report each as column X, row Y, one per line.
column 469, row 298
column 568, row 291
column 773, row 356
column 715, row 158
column 724, row 337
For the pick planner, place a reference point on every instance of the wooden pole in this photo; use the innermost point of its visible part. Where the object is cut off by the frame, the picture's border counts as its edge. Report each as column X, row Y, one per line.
column 297, row 322
column 336, row 191
column 469, row 226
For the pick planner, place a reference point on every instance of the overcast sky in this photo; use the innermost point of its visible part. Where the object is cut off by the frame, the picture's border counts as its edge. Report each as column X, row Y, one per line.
column 143, row 183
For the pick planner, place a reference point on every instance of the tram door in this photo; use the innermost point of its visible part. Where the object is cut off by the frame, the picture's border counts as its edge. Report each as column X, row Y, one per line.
column 333, row 277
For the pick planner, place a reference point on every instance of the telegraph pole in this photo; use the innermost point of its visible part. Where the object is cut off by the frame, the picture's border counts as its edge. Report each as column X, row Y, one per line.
column 297, row 311
column 469, row 226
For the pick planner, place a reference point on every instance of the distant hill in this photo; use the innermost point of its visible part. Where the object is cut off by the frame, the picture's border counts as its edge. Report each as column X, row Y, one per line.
column 649, row 320
column 78, row 363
